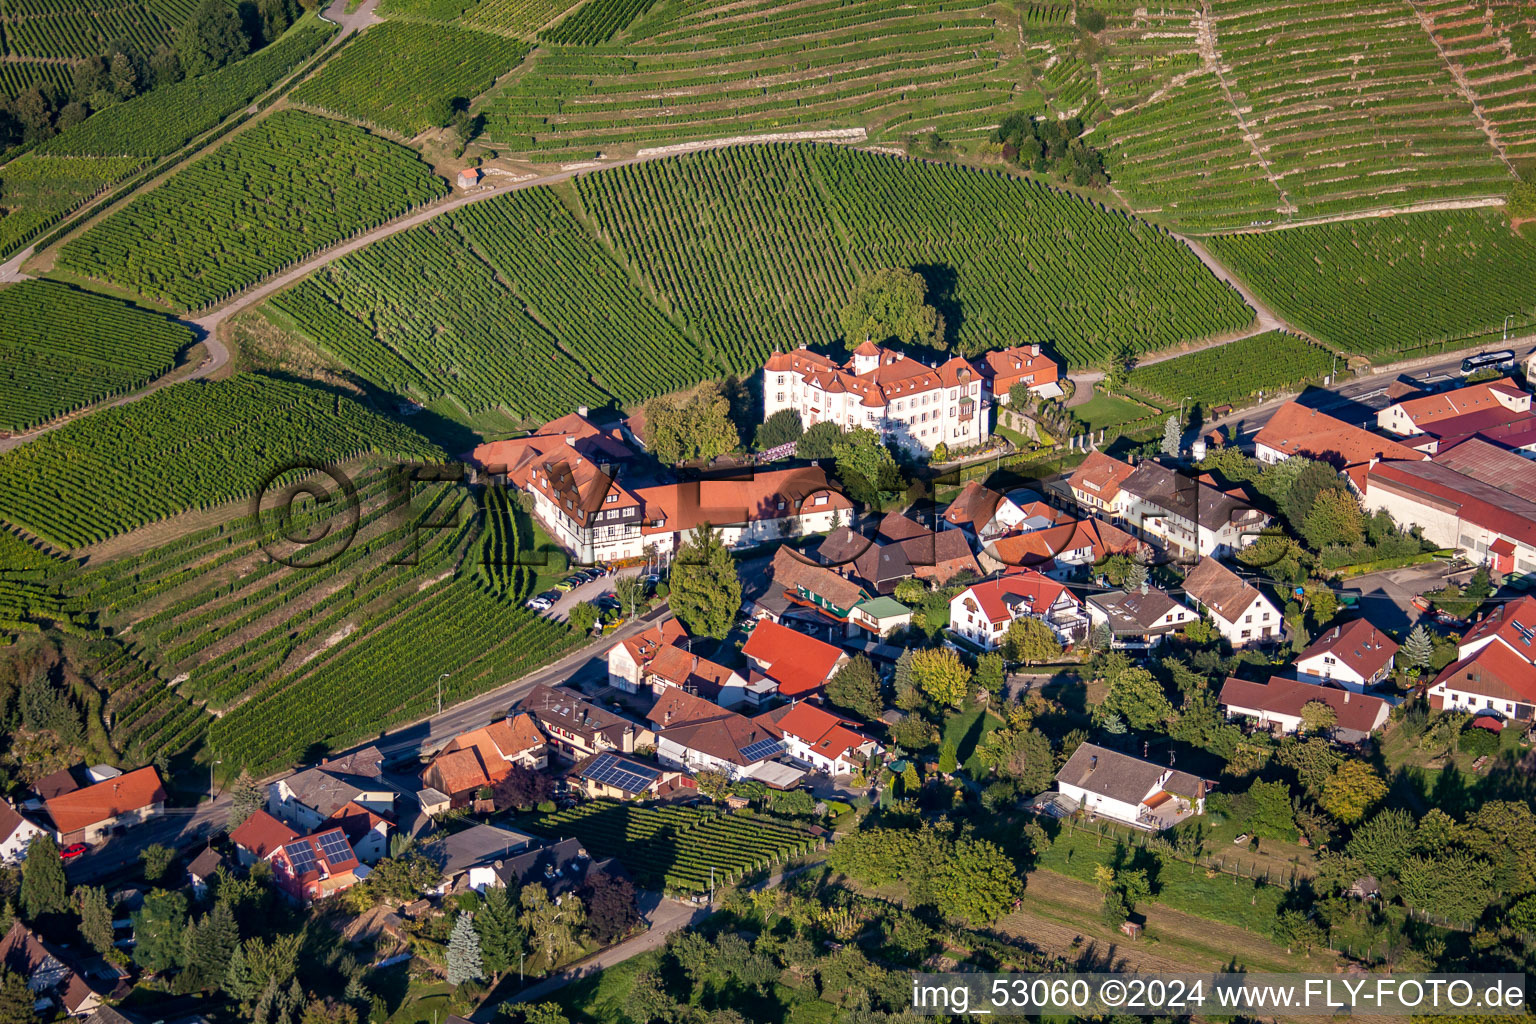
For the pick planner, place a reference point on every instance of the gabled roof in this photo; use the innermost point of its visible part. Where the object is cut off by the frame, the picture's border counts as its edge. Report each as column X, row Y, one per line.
column 897, row 527
column 643, row 646
column 1220, row 589
column 1477, row 501
column 1357, row 644
column 1460, row 401
column 1512, row 623
column 974, row 506
column 1354, row 711
column 1491, row 464
column 45, row 970
column 1493, row 671
column 794, row 572
column 82, row 808
column 560, row 867
column 477, row 845
column 1031, row 590
column 697, row 724
column 740, row 496
column 1298, row 430
column 501, row 741
column 261, row 834
column 1137, row 612
column 311, row 858
column 1122, row 777
column 1186, row 496
column 1004, row 366
column 798, row 663
column 568, row 459
column 825, row 733
column 459, row 771
column 572, row 712
column 674, row 707
column 686, row 669
column 11, row 820
column 205, row 863
column 1041, row 546
column 357, row 821
column 1101, row 476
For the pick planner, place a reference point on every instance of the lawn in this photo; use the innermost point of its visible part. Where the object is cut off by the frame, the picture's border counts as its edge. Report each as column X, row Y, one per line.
column 966, row 730
column 1108, row 411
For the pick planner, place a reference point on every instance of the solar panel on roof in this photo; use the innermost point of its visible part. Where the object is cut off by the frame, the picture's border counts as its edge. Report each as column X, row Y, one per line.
column 335, row 847
column 612, row 771
column 301, row 857
column 762, row 749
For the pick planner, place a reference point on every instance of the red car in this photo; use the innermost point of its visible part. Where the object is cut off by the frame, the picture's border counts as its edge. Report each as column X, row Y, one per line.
column 74, row 850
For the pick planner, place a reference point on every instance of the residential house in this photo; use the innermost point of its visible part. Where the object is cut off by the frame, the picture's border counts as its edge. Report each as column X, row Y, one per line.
column 1095, row 483
column 561, row 868
column 800, row 665
column 1414, row 415
column 576, row 728
column 16, row 833
column 1138, row 620
column 57, row 986
column 1502, row 427
column 316, row 866
column 881, row 616
column 367, row 831
column 1185, row 516
column 1277, row 705
column 1126, row 789
column 911, row 404
column 307, row 798
column 613, row 776
column 259, row 836
column 628, row 658
column 1295, row 429
column 695, row 735
column 1354, row 655
column 809, row 585
column 89, row 814
column 1021, row 364
column 983, row 514
column 1495, row 669
column 571, row 468
column 1068, row 548
column 900, row 549
column 747, row 507
column 483, row 757
column 469, row 858
column 676, row 666
column 1475, row 497
column 982, row 612
column 1241, row 613
column 202, row 869
column 820, row 740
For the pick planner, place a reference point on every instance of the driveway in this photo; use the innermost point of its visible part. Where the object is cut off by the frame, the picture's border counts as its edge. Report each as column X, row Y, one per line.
column 1386, row 598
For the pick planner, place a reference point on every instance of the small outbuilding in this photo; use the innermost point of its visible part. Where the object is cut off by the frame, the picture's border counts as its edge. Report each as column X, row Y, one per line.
column 469, row 177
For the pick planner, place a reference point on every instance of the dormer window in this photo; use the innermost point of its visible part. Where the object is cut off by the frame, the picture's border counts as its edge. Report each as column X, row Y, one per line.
column 610, row 499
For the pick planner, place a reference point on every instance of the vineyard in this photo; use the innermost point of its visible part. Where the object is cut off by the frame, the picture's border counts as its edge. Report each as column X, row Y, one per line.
column 38, row 191
column 420, row 314
column 1227, row 374
column 1493, row 47
column 426, row 68
column 63, row 349
column 187, row 446
column 67, row 30
column 1387, row 287
column 164, row 119
column 695, row 69
column 596, row 21
column 289, row 185
column 675, row 848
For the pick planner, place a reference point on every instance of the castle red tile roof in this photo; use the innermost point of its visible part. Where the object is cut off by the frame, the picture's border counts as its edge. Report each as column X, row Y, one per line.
column 897, row 376
column 798, row 663
column 92, row 805
column 569, row 460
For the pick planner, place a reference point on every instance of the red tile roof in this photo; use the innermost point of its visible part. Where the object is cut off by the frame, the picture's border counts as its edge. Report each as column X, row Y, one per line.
column 699, row 725
column 1358, row 644
column 458, row 771
column 642, row 647
column 975, row 506
column 798, row 663
column 744, row 496
column 1043, row 546
column 825, row 733
column 1101, row 476
column 132, row 791
column 357, row 821
column 344, row 860
column 1296, row 430
column 1008, row 366
column 565, row 459
column 1493, row 671
column 1036, row 591
column 1354, row 711
column 1479, row 502
column 261, row 834
column 1459, row 402
column 1513, row 623
column 1220, row 589
column 686, row 669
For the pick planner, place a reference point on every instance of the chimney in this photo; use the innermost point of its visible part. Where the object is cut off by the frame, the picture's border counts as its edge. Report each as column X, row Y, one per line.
column 1093, row 762
column 1346, row 696
column 570, row 442
column 667, row 718
column 581, row 411
column 1034, row 350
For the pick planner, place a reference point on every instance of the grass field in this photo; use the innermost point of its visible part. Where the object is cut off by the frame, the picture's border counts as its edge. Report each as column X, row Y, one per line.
column 1103, row 410
column 966, row 730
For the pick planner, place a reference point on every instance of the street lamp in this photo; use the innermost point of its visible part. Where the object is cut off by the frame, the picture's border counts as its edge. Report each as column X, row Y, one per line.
column 1186, row 398
column 1507, row 319
column 210, row 777
column 440, row 691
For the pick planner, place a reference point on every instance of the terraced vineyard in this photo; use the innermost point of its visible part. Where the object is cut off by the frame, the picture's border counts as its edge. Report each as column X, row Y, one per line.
column 287, row 186
column 16, row 77
column 675, row 847
column 37, row 191
column 697, row 69
column 67, row 30
column 1492, row 48
column 421, row 314
column 1271, row 362
column 596, row 21
column 1388, row 287
column 162, row 120
column 63, row 349
column 426, row 67
column 187, row 446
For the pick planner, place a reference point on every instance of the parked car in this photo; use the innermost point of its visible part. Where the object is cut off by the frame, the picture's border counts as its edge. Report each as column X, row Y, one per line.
column 74, row 850
column 541, row 603
column 569, row 583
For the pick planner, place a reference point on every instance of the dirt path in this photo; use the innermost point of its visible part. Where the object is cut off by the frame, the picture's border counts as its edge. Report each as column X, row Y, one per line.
column 1427, row 23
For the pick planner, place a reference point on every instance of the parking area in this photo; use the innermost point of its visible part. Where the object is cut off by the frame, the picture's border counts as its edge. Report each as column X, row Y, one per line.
column 589, row 591
column 1386, row 598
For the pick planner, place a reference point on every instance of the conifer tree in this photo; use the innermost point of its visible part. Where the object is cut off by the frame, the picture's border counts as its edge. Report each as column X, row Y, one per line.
column 42, row 879
column 464, row 963
column 95, row 917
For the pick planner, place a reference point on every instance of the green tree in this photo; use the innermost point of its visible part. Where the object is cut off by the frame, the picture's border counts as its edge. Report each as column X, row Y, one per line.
column 817, row 441
column 948, row 761
column 16, row 999
column 1333, row 518
column 630, row 592
column 706, row 591
column 246, row 798
column 939, row 673
column 1137, row 696
column 553, row 928
column 42, row 879
column 1318, row 716
column 213, row 946
column 1171, row 437
column 1030, row 641
column 211, row 38
column 1269, row 814
column 157, row 861
column 783, row 427
column 95, row 917
column 698, row 427
column 866, row 467
column 501, row 938
column 583, row 616
column 1452, row 884
column 1136, row 577
column 538, row 1013
column 1023, row 755
column 1352, row 789
column 855, row 686
column 991, row 673
column 158, row 926
column 891, row 305
column 1418, row 648
column 464, row 962
column 1383, row 843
